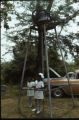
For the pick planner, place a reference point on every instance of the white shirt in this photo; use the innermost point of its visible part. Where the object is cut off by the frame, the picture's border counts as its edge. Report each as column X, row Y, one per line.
column 40, row 84
column 39, row 94
column 30, row 92
column 30, row 84
column 35, row 82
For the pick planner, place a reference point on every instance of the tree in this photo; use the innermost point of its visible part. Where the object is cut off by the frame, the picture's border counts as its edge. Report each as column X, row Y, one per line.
column 21, row 31
column 66, row 10
column 6, row 8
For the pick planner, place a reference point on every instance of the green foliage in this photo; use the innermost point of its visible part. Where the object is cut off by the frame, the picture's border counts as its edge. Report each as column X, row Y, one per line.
column 12, row 71
column 25, row 19
column 55, row 62
column 77, row 63
column 71, row 67
column 7, row 7
column 5, row 70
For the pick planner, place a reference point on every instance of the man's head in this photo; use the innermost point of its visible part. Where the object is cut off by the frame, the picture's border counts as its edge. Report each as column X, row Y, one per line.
column 29, row 79
column 39, row 77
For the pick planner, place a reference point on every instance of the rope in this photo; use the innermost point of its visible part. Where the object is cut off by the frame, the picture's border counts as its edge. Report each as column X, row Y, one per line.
column 64, row 64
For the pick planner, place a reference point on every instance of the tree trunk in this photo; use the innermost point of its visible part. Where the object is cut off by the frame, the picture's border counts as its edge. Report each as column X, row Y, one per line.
column 40, row 61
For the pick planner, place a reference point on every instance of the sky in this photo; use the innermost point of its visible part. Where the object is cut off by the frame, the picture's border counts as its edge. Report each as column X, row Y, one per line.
column 5, row 44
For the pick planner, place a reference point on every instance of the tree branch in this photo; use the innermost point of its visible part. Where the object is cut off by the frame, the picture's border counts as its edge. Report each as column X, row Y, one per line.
column 50, row 5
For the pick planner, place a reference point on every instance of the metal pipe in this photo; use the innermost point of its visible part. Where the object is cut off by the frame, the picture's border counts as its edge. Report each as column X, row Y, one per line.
column 42, row 56
column 47, row 67
column 44, row 89
column 65, row 67
column 22, row 78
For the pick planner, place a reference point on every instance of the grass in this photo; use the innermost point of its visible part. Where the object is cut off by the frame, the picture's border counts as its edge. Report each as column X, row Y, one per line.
column 62, row 108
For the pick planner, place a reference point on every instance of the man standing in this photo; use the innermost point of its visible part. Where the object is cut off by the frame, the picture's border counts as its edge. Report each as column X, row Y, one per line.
column 39, row 96
column 30, row 91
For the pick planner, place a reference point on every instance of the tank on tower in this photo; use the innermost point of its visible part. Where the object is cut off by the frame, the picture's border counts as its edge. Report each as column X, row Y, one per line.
column 41, row 17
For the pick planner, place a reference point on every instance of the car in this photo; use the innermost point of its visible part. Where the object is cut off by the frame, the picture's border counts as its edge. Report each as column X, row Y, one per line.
column 60, row 86
column 70, row 74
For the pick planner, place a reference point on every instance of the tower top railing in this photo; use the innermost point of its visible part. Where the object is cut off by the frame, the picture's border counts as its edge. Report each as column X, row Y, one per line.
column 41, row 17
